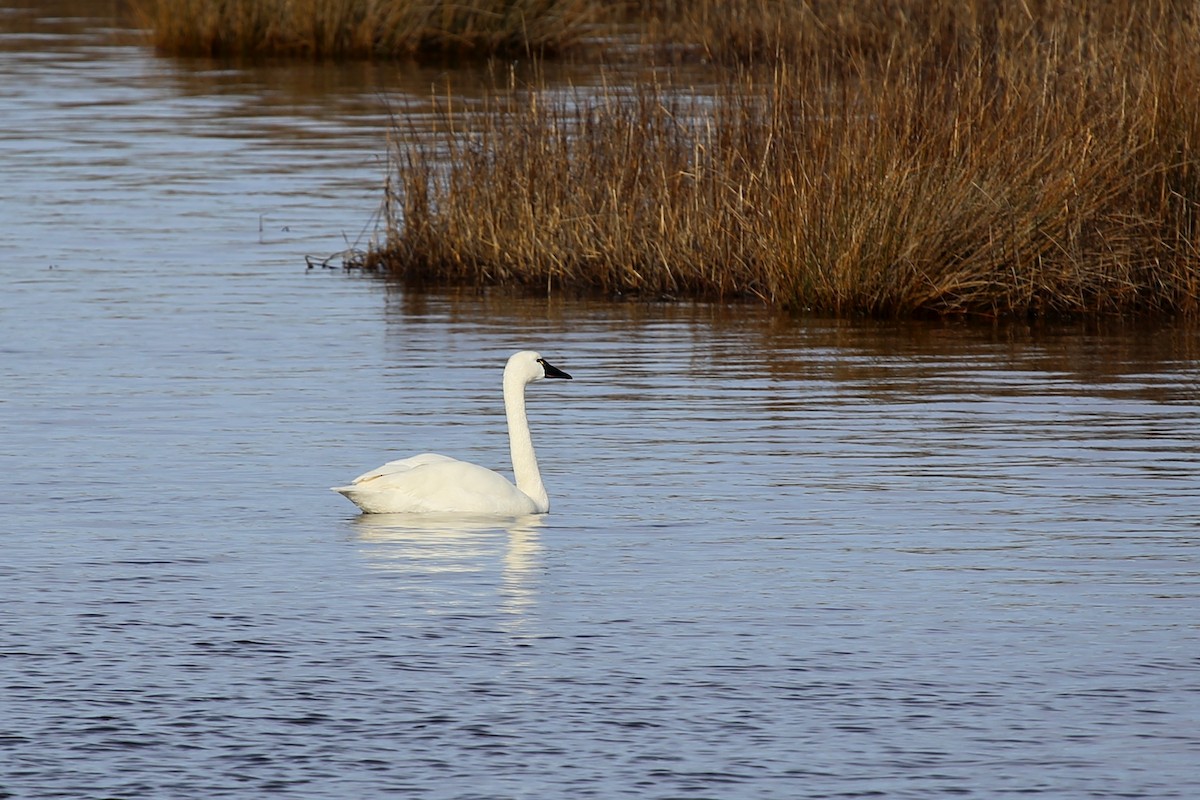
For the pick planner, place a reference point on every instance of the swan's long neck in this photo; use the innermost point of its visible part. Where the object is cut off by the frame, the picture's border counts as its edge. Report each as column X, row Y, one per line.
column 520, row 444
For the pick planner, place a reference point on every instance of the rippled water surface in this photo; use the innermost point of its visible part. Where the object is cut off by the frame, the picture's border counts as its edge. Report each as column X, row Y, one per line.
column 787, row 559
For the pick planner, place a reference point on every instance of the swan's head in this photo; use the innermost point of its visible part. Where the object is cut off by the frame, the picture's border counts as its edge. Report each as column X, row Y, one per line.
column 528, row 366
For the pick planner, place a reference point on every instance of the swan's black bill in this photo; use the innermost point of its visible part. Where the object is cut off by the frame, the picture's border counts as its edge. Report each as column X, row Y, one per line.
column 552, row 371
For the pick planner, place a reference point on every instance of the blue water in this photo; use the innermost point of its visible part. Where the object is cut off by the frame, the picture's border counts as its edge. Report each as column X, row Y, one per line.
column 787, row 558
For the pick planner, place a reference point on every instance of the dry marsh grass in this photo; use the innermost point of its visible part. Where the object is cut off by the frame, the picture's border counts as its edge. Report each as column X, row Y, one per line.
column 1018, row 161
column 849, row 33
column 366, row 28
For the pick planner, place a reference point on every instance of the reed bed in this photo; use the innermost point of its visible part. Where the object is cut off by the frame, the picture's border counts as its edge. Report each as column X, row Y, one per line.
column 1010, row 163
column 366, row 28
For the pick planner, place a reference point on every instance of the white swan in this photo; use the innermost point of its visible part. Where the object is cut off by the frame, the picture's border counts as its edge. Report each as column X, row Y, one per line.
column 432, row 483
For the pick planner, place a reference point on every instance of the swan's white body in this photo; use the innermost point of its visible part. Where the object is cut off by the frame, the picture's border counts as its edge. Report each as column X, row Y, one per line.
column 437, row 484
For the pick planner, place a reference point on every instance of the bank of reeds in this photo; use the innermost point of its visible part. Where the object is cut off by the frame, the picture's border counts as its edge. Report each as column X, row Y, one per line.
column 1025, row 165
column 366, row 28
column 849, row 32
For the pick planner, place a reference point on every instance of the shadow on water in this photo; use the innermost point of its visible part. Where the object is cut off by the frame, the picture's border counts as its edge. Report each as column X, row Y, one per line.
column 1152, row 359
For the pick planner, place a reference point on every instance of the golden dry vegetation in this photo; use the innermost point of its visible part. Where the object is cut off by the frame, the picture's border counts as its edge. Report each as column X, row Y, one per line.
column 890, row 158
column 993, row 160
column 366, row 28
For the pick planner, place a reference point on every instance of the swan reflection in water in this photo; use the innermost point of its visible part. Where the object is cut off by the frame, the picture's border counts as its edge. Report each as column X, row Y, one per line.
column 454, row 558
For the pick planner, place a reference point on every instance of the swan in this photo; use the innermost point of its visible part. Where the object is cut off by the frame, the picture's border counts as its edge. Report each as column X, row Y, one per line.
column 435, row 484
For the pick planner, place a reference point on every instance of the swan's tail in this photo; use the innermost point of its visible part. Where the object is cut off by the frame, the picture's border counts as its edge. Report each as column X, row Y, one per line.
column 356, row 495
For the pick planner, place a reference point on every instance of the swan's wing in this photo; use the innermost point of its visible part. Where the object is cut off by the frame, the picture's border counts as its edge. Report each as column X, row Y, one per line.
column 437, row 484
column 403, row 465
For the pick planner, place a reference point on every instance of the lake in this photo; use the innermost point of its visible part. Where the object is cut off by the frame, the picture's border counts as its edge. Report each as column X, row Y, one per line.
column 787, row 558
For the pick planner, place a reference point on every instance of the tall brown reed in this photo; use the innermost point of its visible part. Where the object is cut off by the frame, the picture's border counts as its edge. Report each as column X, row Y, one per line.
column 1021, row 166
column 365, row 28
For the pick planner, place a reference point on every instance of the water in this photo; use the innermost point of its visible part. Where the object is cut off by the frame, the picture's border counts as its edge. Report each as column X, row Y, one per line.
column 787, row 559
